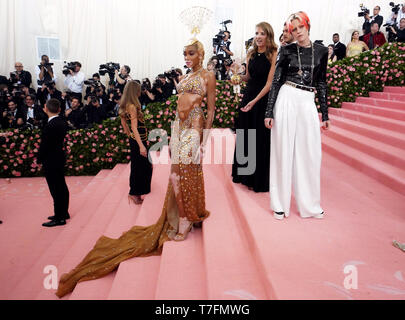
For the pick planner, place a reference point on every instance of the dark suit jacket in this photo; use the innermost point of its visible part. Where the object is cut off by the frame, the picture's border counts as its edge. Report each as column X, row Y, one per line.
column 379, row 39
column 340, row 51
column 51, row 153
column 367, row 25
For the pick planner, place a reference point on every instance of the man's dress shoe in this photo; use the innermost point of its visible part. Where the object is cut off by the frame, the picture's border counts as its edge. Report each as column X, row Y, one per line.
column 54, row 223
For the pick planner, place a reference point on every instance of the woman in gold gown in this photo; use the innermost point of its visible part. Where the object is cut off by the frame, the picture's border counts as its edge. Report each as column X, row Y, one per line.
column 185, row 197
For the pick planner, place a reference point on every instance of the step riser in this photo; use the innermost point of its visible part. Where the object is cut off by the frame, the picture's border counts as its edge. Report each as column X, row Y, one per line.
column 366, row 168
column 388, row 96
column 387, row 113
column 389, row 104
column 369, row 149
column 373, row 134
column 400, row 90
column 381, row 123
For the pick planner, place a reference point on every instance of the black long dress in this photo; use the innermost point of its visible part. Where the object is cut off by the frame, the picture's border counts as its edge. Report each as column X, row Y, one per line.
column 259, row 68
column 141, row 169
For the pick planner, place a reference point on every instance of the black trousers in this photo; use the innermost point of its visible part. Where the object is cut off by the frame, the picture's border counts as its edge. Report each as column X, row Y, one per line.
column 55, row 178
column 141, row 171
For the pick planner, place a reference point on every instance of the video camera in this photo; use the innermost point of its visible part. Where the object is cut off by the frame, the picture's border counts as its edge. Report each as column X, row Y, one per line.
column 145, row 85
column 171, row 74
column 109, row 68
column 13, row 77
column 248, row 43
column 45, row 65
column 363, row 11
column 67, row 67
column 157, row 83
column 92, row 83
column 394, row 7
column 218, row 40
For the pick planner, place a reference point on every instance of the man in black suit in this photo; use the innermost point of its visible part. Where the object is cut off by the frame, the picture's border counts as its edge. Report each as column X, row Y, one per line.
column 339, row 48
column 368, row 21
column 53, row 159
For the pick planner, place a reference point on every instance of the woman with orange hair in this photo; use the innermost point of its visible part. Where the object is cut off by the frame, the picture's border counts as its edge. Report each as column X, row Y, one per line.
column 184, row 203
column 292, row 116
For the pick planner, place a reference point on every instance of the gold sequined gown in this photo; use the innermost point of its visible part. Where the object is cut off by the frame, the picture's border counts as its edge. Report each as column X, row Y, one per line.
column 185, row 192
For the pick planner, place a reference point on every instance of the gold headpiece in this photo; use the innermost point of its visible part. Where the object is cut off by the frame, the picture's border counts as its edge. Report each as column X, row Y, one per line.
column 195, row 18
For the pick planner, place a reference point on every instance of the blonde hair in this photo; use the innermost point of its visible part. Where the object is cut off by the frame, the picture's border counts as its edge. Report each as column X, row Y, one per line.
column 130, row 96
column 199, row 46
column 271, row 46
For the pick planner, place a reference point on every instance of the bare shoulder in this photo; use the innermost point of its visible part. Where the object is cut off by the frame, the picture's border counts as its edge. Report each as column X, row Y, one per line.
column 208, row 76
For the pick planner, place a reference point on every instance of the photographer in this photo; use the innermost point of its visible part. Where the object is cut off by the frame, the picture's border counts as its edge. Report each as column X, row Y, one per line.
column 227, row 74
column 399, row 33
column 122, row 77
column 375, row 38
column 146, row 94
column 368, row 21
column 44, row 74
column 33, row 114
column 397, row 15
column 20, row 76
column 222, row 49
column 48, row 91
column 161, row 88
column 12, row 116
column 75, row 80
column 93, row 84
column 75, row 116
column 94, row 111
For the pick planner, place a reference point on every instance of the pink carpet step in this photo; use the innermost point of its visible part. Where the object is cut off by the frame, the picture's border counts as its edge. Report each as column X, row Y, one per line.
column 385, row 136
column 182, row 270
column 123, row 220
column 390, row 104
column 81, row 211
column 388, row 96
column 137, row 278
column 94, row 228
column 383, row 172
column 377, row 111
column 392, row 155
column 230, row 267
column 377, row 121
column 400, row 90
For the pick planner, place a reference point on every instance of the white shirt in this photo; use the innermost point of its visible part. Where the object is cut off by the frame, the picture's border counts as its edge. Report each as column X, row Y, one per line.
column 52, row 118
column 400, row 15
column 30, row 113
column 38, row 71
column 75, row 83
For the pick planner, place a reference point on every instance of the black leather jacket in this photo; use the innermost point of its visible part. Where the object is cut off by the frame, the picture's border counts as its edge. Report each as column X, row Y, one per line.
column 287, row 70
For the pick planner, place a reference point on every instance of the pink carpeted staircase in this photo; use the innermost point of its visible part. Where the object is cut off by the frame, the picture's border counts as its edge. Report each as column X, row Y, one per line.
column 241, row 252
column 369, row 135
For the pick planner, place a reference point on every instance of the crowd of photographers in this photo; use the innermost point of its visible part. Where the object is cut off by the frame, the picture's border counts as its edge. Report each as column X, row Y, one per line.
column 22, row 107
column 84, row 102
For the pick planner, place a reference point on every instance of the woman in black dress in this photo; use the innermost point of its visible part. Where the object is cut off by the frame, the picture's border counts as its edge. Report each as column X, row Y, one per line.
column 251, row 165
column 133, row 122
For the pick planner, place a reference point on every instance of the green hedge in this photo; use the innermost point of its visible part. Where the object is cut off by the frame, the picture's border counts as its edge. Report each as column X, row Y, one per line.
column 105, row 145
column 370, row 71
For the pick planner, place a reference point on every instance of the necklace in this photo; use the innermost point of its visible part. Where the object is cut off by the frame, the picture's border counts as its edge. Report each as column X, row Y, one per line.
column 194, row 72
column 305, row 75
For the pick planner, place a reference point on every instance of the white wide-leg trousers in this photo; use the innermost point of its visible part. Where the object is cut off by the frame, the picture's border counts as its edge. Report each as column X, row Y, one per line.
column 296, row 154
